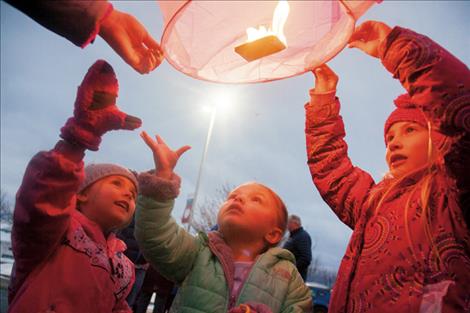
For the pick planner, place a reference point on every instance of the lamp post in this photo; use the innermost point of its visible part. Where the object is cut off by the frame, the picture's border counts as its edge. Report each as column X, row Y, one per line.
column 201, row 166
column 221, row 101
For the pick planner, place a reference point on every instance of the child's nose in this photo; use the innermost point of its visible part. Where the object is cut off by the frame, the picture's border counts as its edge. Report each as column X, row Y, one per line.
column 128, row 193
column 394, row 144
column 240, row 198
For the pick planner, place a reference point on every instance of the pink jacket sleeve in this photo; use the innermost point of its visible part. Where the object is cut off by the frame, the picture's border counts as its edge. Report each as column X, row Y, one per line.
column 343, row 186
column 76, row 20
column 438, row 83
column 44, row 202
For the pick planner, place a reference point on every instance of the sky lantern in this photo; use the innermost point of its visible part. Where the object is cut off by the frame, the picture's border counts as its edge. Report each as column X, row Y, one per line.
column 255, row 41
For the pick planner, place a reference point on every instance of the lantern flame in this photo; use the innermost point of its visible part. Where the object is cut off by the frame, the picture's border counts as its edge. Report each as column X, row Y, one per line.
column 277, row 28
column 263, row 42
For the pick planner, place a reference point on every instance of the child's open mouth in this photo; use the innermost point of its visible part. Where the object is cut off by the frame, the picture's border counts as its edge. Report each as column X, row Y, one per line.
column 235, row 207
column 397, row 160
column 122, row 204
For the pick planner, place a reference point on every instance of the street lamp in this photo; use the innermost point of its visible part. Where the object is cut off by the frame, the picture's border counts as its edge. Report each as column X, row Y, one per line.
column 220, row 102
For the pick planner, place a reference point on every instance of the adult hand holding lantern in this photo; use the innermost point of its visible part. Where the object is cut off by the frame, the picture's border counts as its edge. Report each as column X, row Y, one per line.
column 255, row 41
column 131, row 41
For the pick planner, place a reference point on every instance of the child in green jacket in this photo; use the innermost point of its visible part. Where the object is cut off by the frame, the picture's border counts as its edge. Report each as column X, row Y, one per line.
column 236, row 269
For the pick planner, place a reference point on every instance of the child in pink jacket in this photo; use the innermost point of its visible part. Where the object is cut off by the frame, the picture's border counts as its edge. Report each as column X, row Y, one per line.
column 410, row 247
column 67, row 258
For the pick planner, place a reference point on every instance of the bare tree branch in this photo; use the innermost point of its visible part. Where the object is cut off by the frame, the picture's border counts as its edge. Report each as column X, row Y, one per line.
column 326, row 276
column 319, row 273
column 6, row 213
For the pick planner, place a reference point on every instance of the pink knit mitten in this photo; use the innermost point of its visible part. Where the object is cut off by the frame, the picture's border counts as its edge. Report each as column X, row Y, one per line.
column 95, row 110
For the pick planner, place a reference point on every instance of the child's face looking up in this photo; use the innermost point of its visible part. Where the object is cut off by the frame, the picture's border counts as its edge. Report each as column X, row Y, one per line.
column 251, row 211
column 407, row 147
column 109, row 202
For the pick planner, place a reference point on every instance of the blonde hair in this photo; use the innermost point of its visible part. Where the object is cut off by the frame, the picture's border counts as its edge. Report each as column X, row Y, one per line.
column 434, row 165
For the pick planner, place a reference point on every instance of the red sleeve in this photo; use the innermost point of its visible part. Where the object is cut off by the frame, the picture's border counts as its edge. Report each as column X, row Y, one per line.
column 44, row 202
column 343, row 186
column 76, row 20
column 438, row 83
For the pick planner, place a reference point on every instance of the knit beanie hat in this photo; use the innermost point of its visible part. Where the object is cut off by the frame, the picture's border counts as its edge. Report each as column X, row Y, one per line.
column 95, row 172
column 406, row 111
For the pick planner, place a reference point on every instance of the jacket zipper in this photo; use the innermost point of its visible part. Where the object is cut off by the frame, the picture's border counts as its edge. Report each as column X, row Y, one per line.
column 231, row 300
column 234, row 301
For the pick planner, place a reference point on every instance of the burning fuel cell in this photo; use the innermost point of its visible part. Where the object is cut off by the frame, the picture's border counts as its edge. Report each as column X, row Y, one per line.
column 259, row 48
column 263, row 42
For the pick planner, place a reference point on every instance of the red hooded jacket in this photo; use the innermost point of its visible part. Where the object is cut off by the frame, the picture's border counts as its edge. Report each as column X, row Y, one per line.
column 63, row 262
column 395, row 260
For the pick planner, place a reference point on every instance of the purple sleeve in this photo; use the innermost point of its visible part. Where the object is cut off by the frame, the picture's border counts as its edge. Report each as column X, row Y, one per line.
column 77, row 21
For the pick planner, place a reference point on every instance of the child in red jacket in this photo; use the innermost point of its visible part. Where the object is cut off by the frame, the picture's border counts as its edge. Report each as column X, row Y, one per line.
column 67, row 258
column 410, row 247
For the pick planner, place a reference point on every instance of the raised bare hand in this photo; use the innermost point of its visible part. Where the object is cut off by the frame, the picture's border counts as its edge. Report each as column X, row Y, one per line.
column 325, row 79
column 368, row 36
column 165, row 159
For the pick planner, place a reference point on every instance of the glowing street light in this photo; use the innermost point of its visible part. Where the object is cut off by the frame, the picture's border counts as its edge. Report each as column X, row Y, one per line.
column 221, row 102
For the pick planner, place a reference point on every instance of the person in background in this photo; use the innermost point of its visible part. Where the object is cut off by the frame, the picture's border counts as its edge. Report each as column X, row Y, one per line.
column 300, row 244
column 80, row 21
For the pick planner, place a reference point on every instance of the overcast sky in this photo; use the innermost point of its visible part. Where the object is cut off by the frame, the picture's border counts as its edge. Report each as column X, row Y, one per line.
column 261, row 138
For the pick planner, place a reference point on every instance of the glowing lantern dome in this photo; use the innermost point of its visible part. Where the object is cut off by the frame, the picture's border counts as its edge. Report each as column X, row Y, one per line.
column 255, row 41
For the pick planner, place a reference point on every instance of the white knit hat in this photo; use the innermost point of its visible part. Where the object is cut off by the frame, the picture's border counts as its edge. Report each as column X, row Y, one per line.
column 95, row 172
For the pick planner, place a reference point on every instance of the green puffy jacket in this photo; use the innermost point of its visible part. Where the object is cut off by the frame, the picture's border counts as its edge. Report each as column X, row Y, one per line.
column 204, row 270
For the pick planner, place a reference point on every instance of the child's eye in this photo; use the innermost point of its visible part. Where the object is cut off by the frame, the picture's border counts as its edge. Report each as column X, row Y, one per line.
column 257, row 199
column 116, row 183
column 410, row 129
column 389, row 138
